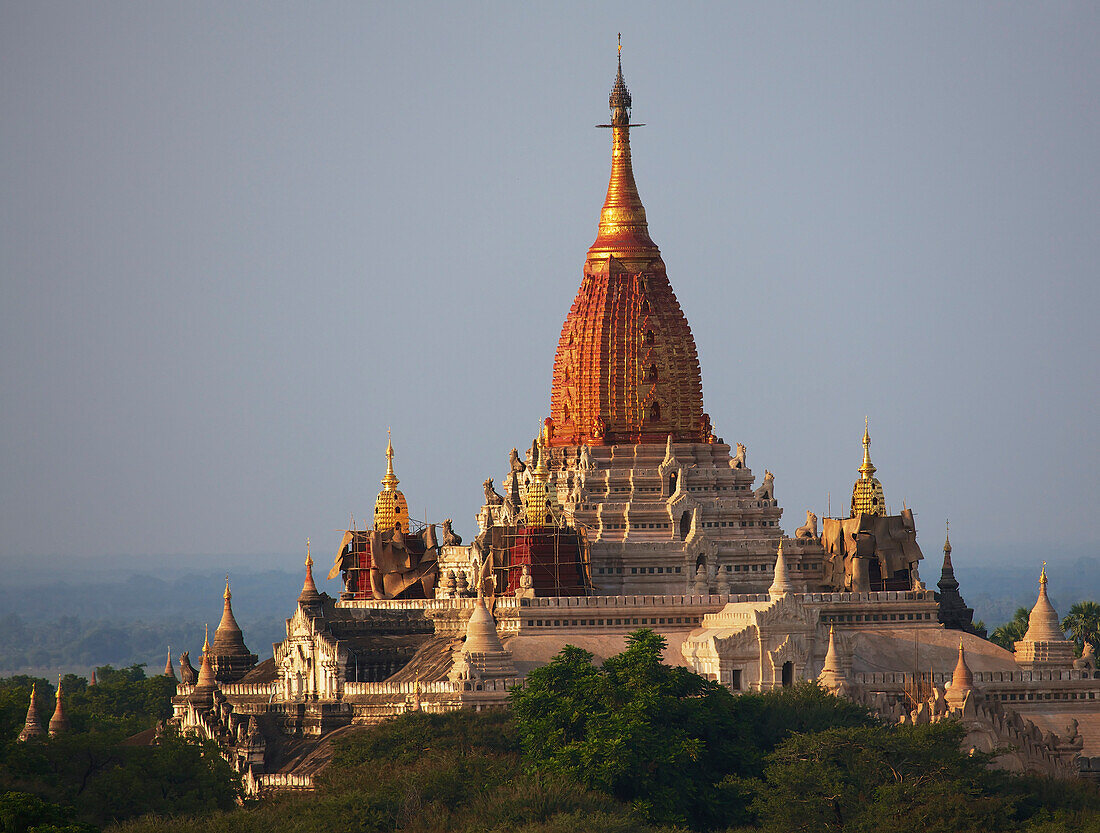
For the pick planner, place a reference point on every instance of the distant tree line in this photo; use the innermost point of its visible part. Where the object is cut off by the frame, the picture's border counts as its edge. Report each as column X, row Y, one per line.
column 68, row 642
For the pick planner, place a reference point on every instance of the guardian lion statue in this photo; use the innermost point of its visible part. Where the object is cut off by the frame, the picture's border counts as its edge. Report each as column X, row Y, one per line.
column 767, row 488
column 449, row 538
column 187, row 670
column 738, row 462
column 808, row 529
column 491, row 496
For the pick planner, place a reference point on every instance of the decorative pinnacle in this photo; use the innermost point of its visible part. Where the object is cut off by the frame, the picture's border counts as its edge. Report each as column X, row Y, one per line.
column 309, row 558
column 1043, row 575
column 206, row 640
column 227, row 595
column 947, row 539
column 619, row 100
column 390, row 481
column 867, row 470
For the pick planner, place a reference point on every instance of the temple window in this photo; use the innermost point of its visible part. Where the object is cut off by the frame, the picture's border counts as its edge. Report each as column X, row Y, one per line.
column 788, row 674
column 654, row 411
column 649, row 337
column 645, row 307
column 651, row 374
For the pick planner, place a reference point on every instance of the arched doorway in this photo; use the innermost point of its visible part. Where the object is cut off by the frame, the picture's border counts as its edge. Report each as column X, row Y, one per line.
column 788, row 674
column 685, row 525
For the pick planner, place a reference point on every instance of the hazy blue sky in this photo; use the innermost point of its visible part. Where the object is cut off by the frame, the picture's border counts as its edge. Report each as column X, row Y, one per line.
column 238, row 241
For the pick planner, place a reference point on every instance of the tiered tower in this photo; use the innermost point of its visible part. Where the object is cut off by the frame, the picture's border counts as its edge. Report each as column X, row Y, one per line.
column 632, row 457
column 626, row 369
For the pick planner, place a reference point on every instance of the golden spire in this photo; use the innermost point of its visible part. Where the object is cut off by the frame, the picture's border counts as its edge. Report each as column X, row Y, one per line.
column 206, row 640
column 538, row 504
column 227, row 595
column 390, row 481
column 309, row 587
column 623, row 231
column 1043, row 575
column 947, row 539
column 390, row 508
column 867, row 494
column 867, row 470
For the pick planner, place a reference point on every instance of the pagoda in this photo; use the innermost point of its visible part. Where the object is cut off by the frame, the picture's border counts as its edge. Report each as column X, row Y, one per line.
column 633, row 463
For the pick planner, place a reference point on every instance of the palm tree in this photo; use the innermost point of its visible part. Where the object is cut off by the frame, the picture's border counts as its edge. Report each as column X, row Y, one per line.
column 1084, row 621
column 1009, row 633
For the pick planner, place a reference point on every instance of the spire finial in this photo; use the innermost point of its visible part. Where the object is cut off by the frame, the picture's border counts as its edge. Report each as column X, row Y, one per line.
column 390, row 481
column 947, row 539
column 1043, row 575
column 620, row 46
column 206, row 640
column 309, row 558
column 227, row 595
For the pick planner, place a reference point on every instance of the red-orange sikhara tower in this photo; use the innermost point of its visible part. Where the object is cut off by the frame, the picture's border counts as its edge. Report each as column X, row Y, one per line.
column 626, row 370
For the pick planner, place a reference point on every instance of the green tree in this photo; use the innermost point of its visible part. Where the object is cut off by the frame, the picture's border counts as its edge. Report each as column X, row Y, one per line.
column 656, row 737
column 1009, row 633
column 1083, row 621
column 881, row 779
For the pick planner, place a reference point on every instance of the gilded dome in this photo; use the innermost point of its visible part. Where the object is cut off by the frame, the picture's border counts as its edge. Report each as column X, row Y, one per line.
column 390, row 507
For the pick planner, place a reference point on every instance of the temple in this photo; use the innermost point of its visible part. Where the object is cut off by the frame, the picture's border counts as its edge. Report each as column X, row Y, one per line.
column 628, row 511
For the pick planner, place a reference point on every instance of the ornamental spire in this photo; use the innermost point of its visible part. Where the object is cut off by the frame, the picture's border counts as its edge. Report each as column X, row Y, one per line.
column 59, row 722
column 781, row 585
column 32, row 728
column 867, row 494
column 623, row 231
column 390, row 481
column 867, row 470
column 309, row 592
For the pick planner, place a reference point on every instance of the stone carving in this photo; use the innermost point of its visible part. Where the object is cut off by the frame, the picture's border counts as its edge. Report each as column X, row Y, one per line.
column 447, row 586
column 738, row 462
column 699, row 588
column 450, row 538
column 515, row 465
column 491, row 496
column 1087, row 660
column 585, row 463
column 188, row 675
column 767, row 488
column 808, row 529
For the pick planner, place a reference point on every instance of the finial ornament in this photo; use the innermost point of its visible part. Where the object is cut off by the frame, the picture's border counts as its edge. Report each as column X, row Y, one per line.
column 227, row 595
column 206, row 639
column 1043, row 574
column 309, row 558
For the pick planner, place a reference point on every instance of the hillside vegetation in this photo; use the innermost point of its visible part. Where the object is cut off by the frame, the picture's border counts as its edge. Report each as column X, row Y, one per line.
column 629, row 745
